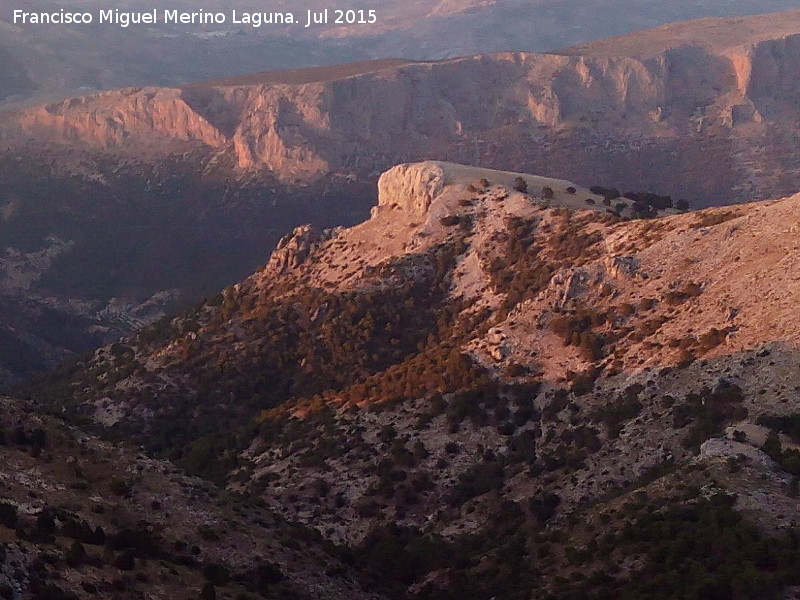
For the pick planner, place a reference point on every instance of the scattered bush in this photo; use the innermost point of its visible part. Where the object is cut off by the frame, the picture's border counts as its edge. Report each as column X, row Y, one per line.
column 8, row 515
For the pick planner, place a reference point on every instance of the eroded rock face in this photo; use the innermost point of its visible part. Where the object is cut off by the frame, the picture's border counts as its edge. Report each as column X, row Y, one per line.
column 681, row 110
column 411, row 187
column 292, row 250
column 113, row 119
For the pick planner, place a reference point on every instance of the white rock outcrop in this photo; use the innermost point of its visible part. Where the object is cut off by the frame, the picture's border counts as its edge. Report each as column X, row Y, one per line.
column 411, row 187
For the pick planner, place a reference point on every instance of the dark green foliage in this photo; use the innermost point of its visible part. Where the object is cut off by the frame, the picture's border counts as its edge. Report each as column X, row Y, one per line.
column 788, row 424
column 708, row 412
column 576, row 329
column 650, row 199
column 479, row 479
column 357, row 344
column 522, row 271
column 216, row 574
column 644, row 210
column 76, row 555
column 543, row 506
column 50, row 591
column 125, row 561
column 615, row 414
column 608, row 193
column 208, row 592
column 698, row 551
column 399, row 556
column 121, row 487
column 8, row 515
column 520, row 185
column 139, row 542
column 556, row 405
column 450, row 220
column 789, row 459
column 261, row 578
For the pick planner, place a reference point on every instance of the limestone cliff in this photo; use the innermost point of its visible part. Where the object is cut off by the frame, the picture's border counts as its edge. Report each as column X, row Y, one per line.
column 681, row 109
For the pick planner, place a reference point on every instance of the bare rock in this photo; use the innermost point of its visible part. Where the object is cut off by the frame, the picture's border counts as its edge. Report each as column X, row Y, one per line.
column 411, row 187
column 292, row 251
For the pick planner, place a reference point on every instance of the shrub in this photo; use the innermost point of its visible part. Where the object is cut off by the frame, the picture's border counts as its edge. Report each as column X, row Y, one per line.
column 125, row 561
column 76, row 555
column 547, row 193
column 712, row 338
column 208, row 592
column 615, row 414
column 571, row 190
column 450, row 220
column 520, row 185
column 543, row 505
column 608, row 193
column 8, row 515
column 216, row 573
column 120, row 487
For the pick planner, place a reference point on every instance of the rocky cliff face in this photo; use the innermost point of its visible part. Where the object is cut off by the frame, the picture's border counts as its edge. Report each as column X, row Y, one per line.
column 292, row 251
column 645, row 116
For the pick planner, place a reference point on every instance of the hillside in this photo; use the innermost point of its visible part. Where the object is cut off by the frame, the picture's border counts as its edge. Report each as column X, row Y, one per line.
column 638, row 110
column 485, row 391
column 80, row 518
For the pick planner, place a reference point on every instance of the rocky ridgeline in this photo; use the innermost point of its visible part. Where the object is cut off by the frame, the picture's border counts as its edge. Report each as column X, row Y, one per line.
column 650, row 112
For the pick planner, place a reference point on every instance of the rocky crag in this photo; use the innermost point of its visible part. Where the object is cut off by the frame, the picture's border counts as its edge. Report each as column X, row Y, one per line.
column 701, row 109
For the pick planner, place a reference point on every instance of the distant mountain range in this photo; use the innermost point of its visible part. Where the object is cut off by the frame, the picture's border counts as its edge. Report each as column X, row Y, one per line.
column 51, row 62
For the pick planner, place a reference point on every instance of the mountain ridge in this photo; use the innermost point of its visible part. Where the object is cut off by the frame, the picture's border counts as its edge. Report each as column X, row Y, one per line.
column 670, row 106
column 477, row 367
column 259, row 155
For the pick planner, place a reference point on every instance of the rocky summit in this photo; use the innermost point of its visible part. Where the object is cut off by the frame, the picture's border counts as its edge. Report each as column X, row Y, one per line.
column 646, row 107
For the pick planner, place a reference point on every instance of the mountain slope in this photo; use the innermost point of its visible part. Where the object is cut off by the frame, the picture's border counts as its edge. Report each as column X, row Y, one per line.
column 80, row 517
column 487, row 391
